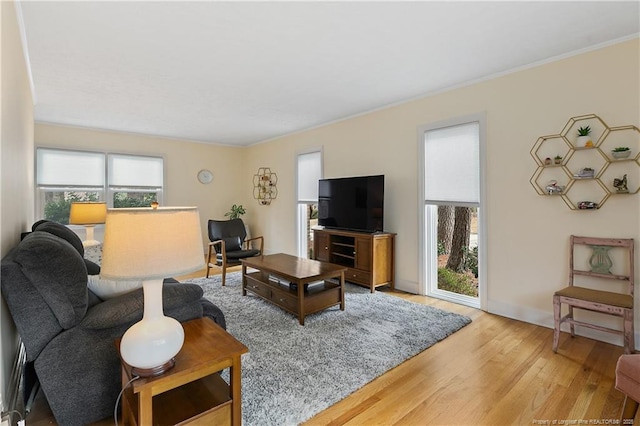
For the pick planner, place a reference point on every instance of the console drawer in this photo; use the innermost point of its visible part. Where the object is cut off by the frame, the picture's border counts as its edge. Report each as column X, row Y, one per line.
column 357, row 276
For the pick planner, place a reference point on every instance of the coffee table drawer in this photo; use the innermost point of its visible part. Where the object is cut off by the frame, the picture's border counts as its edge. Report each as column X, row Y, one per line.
column 286, row 301
column 258, row 287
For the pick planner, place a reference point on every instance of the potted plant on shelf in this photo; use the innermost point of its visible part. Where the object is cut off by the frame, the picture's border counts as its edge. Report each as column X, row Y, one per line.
column 621, row 152
column 584, row 138
column 557, row 159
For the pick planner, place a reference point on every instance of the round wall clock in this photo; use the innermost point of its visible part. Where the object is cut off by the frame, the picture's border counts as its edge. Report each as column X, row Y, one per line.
column 205, row 176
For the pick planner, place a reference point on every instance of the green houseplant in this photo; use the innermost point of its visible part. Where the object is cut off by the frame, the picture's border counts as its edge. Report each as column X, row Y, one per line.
column 621, row 152
column 557, row 159
column 236, row 211
column 584, row 137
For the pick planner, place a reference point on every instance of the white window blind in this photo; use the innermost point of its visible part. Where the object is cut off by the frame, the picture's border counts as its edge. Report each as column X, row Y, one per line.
column 452, row 166
column 69, row 168
column 135, row 171
column 309, row 172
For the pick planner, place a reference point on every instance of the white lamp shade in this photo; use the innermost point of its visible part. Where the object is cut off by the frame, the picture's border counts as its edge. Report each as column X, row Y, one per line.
column 146, row 243
column 151, row 244
column 87, row 213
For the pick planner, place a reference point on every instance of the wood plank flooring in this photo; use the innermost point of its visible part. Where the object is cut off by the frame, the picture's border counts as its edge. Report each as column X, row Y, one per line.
column 495, row 371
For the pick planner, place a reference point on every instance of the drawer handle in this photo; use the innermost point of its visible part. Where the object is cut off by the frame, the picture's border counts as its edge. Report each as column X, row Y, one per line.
column 282, row 300
column 254, row 286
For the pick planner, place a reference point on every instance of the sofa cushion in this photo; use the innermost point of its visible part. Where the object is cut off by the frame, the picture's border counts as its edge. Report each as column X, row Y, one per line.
column 58, row 273
column 128, row 308
column 108, row 289
column 61, row 231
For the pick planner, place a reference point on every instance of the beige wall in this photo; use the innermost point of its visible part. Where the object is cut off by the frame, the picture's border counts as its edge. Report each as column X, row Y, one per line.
column 527, row 234
column 527, row 241
column 16, row 168
column 183, row 160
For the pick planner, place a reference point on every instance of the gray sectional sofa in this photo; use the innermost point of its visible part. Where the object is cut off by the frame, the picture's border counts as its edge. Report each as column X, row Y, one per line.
column 69, row 332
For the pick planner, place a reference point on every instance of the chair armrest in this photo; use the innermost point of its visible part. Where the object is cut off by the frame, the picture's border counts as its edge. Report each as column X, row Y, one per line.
column 212, row 245
column 255, row 239
column 213, row 251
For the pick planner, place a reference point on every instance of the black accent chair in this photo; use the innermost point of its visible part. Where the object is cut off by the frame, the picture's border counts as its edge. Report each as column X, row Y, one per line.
column 229, row 244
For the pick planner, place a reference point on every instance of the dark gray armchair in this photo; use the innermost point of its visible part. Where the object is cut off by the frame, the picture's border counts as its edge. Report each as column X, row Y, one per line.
column 229, row 244
column 69, row 332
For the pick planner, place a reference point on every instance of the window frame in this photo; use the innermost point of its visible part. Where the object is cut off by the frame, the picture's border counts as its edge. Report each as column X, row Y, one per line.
column 105, row 192
column 427, row 218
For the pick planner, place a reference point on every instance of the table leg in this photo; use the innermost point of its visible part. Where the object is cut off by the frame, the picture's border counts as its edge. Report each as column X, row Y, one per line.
column 244, row 279
column 145, row 408
column 342, row 291
column 236, row 393
column 301, row 303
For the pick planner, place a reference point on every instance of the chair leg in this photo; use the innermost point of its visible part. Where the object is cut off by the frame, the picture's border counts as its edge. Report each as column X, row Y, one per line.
column 629, row 410
column 629, row 338
column 571, row 326
column 224, row 271
column 556, row 322
column 208, row 268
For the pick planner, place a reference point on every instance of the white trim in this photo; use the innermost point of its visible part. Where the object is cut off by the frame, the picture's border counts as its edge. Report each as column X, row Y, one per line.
column 427, row 234
column 302, row 239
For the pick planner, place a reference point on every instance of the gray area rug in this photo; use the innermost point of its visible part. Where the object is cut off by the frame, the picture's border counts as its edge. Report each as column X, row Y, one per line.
column 293, row 372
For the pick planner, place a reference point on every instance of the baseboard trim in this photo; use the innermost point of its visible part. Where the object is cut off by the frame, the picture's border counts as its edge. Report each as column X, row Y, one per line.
column 545, row 319
column 408, row 286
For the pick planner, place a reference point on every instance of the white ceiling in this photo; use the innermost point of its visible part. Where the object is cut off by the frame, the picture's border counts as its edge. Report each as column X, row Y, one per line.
column 243, row 72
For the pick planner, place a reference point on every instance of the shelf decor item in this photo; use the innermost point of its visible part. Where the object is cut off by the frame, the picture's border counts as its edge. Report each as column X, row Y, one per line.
column 557, row 159
column 264, row 186
column 620, row 152
column 584, row 138
column 621, row 185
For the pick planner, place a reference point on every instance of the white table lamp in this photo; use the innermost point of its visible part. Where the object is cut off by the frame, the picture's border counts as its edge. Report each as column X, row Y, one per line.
column 89, row 214
column 149, row 245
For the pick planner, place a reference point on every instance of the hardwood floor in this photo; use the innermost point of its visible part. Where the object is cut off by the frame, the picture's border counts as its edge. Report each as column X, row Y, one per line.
column 495, row 371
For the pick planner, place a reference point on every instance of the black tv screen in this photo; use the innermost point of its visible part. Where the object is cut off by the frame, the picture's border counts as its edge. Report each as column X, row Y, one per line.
column 352, row 203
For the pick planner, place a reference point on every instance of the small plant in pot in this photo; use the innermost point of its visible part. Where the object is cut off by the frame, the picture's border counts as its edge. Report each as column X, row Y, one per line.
column 557, row 159
column 584, row 137
column 236, row 211
column 621, row 152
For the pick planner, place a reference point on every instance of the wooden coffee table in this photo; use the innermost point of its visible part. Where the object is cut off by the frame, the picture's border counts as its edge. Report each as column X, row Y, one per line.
column 295, row 284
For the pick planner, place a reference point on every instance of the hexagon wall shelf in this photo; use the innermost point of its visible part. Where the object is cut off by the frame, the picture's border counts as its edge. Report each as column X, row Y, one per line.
column 590, row 169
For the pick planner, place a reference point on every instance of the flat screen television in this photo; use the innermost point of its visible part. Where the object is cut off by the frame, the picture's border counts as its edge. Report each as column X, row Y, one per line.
column 352, row 203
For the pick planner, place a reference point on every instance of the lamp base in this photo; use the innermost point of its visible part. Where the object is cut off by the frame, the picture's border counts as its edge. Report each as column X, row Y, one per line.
column 154, row 371
column 90, row 243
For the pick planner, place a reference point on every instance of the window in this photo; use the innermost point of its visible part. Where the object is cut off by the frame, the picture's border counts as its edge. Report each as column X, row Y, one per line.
column 309, row 171
column 63, row 177
column 452, row 219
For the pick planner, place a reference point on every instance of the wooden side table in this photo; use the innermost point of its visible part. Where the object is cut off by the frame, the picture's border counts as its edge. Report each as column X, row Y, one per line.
column 191, row 392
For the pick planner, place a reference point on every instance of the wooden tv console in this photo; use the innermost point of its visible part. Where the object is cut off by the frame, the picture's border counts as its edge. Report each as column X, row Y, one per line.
column 369, row 257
